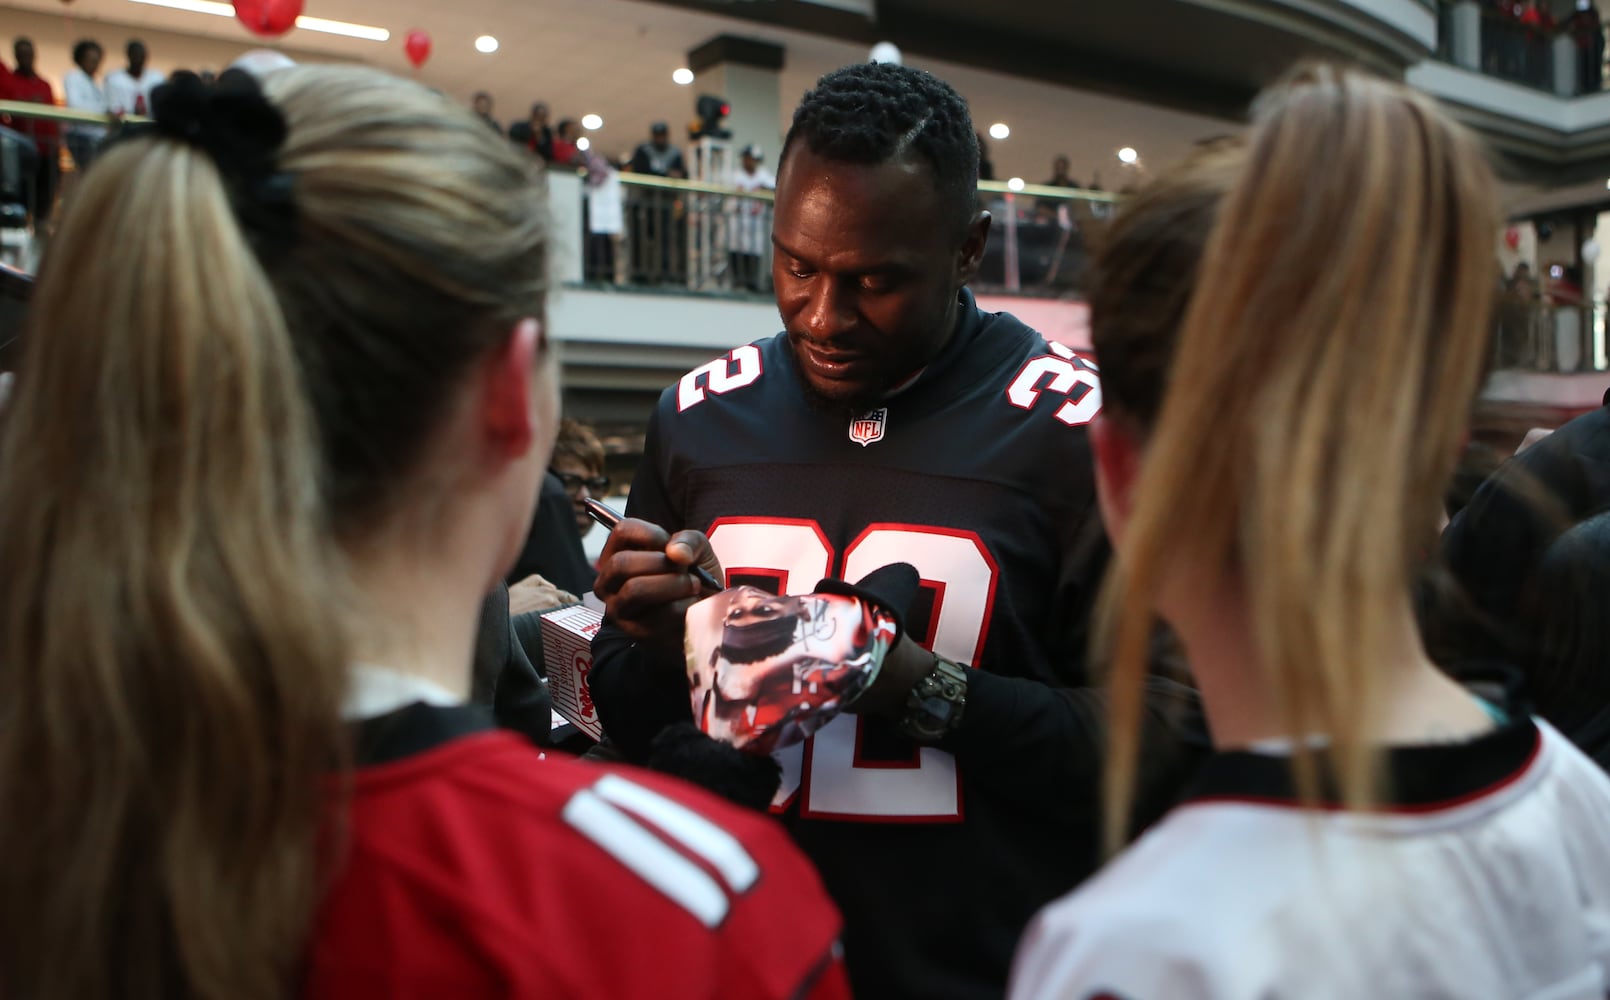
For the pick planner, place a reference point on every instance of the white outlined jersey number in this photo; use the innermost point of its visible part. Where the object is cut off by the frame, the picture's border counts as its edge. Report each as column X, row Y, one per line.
column 826, row 771
column 738, row 369
column 1062, row 372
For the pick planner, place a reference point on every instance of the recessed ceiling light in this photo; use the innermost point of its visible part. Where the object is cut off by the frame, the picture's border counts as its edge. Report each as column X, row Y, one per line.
column 487, row 44
column 584, row 144
column 1016, row 184
column 999, row 130
column 682, row 77
column 1128, row 155
column 328, row 27
column 591, row 123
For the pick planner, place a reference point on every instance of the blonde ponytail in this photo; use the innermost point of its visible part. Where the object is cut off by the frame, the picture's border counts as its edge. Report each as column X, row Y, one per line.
column 1323, row 379
column 170, row 660
column 194, row 443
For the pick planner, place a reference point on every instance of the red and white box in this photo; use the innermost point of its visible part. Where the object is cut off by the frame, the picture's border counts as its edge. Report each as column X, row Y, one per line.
column 567, row 650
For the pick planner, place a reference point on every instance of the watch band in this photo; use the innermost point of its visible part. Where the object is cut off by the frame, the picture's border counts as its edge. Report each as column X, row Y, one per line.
column 936, row 703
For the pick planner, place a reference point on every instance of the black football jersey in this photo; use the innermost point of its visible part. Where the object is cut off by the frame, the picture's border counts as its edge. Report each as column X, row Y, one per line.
column 979, row 475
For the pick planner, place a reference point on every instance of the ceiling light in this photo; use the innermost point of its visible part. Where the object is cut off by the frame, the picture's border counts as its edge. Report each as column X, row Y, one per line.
column 584, row 144
column 682, row 77
column 487, row 44
column 1016, row 184
column 1128, row 155
column 328, row 27
column 343, row 28
column 591, row 123
column 999, row 131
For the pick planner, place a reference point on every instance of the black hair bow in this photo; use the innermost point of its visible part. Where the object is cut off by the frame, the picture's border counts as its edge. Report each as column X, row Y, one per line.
column 234, row 123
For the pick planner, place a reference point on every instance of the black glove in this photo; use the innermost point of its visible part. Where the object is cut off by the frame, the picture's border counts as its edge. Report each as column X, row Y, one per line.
column 892, row 588
column 748, row 779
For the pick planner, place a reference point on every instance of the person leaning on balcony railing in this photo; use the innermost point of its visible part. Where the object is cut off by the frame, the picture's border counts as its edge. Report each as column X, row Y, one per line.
column 25, row 84
column 128, row 90
column 84, row 93
column 534, row 134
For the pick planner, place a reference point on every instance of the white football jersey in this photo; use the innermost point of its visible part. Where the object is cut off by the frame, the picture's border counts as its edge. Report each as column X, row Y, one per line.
column 1487, row 876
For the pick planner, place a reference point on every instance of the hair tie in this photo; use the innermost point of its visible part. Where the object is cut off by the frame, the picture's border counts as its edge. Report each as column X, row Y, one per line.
column 236, row 125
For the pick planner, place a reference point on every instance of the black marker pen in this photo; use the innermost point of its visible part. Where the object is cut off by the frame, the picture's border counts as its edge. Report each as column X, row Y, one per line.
column 609, row 518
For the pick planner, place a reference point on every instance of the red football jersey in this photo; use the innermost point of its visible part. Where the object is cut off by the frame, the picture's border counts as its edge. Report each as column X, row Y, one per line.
column 475, row 868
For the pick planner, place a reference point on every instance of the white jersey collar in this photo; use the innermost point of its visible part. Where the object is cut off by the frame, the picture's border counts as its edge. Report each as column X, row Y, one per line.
column 374, row 691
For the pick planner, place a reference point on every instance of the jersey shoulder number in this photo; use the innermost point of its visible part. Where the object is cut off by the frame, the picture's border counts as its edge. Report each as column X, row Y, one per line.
column 1069, row 378
column 740, row 367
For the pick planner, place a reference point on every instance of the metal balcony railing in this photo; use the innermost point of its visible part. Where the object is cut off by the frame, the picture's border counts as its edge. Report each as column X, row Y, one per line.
column 1551, row 339
column 690, row 238
column 1519, row 41
column 653, row 232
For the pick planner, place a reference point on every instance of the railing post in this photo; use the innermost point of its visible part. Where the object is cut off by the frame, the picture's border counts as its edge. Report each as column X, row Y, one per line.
column 1565, row 57
column 1464, row 48
column 1013, row 277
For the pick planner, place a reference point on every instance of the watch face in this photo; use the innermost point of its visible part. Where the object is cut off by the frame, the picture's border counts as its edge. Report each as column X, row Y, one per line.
column 766, row 671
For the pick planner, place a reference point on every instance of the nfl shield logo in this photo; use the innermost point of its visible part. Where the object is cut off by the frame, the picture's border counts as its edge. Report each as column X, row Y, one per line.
column 869, row 428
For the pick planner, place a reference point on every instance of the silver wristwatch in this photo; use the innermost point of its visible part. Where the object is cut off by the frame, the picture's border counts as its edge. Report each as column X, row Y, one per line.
column 935, row 705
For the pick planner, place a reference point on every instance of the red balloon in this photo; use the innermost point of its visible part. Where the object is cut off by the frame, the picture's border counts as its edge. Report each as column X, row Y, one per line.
column 417, row 45
column 1512, row 238
column 269, row 18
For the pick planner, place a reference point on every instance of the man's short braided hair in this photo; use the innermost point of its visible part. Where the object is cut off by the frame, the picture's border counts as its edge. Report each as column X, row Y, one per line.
column 874, row 112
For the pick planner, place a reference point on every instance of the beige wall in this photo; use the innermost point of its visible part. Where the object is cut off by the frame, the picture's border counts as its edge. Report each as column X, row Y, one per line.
column 54, row 37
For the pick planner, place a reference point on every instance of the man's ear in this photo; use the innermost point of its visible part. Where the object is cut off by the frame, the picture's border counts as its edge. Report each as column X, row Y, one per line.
column 1117, row 452
column 971, row 255
column 506, row 389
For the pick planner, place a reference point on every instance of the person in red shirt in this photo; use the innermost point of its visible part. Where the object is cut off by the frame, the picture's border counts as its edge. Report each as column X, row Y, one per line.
column 25, row 84
column 565, row 151
column 259, row 483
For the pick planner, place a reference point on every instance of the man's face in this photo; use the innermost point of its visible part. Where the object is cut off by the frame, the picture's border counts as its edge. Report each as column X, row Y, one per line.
column 539, row 114
column 661, row 138
column 750, row 163
column 869, row 261
column 1060, row 166
column 92, row 61
column 24, row 51
column 483, row 104
column 137, row 58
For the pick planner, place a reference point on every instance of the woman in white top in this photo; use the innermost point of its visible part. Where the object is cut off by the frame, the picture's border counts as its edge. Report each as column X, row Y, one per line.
column 84, row 93
column 1291, row 335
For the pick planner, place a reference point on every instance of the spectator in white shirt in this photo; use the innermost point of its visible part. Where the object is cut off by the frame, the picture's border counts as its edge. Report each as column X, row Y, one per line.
column 85, row 94
column 752, row 226
column 128, row 91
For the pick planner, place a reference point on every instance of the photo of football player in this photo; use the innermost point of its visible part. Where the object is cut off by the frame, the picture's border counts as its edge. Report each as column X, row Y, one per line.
column 767, row 671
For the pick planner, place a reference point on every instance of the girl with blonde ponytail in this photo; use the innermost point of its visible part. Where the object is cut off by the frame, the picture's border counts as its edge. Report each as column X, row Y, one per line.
column 283, row 404
column 1291, row 334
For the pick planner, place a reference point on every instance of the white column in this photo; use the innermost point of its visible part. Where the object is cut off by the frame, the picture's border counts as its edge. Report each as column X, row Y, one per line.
column 748, row 75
